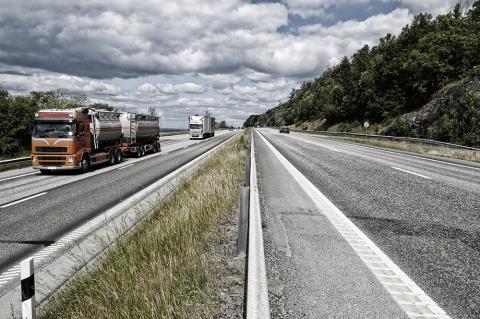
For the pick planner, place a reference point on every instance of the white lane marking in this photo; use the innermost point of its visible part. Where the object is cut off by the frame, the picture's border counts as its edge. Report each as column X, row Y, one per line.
column 126, row 166
column 407, row 155
column 165, row 153
column 18, row 176
column 22, row 200
column 405, row 171
column 314, row 143
column 418, row 304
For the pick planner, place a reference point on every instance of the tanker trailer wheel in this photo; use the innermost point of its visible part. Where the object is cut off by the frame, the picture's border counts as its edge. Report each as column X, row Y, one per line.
column 142, row 150
column 85, row 163
column 111, row 157
column 118, row 156
column 138, row 153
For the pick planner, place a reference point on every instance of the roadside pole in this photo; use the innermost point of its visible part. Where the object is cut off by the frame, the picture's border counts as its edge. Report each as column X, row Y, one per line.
column 28, row 288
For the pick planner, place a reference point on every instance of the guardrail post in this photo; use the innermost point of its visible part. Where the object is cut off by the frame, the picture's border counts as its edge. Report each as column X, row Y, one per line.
column 243, row 222
column 28, row 288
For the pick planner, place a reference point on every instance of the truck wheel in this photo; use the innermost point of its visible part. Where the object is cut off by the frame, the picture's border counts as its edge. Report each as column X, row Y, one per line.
column 85, row 164
column 138, row 153
column 44, row 171
column 111, row 157
column 142, row 150
column 118, row 156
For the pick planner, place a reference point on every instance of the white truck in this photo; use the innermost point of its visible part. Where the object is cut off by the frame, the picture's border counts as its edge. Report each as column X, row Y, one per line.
column 201, row 126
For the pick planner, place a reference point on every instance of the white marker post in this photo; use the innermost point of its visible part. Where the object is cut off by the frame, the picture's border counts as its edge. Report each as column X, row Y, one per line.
column 28, row 289
column 366, row 125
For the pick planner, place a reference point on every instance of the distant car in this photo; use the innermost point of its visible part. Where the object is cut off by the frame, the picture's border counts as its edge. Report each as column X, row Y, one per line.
column 284, row 129
column 231, row 128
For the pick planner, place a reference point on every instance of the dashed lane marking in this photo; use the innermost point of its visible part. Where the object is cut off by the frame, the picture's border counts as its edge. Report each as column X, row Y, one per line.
column 22, row 200
column 17, row 176
column 405, row 171
column 126, row 166
column 408, row 295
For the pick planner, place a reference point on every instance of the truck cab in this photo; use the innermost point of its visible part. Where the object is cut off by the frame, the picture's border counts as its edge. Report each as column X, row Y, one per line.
column 74, row 139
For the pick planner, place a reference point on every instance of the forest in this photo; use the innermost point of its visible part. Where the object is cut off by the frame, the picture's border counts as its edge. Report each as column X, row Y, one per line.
column 18, row 111
column 394, row 79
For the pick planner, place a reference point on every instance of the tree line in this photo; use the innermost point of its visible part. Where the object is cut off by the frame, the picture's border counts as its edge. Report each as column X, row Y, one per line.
column 395, row 77
column 18, row 112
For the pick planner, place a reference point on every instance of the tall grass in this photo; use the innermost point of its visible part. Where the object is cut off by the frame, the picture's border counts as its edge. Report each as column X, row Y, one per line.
column 468, row 155
column 162, row 269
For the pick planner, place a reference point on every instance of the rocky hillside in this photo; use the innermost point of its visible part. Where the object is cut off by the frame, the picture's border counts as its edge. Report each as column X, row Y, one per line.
column 452, row 115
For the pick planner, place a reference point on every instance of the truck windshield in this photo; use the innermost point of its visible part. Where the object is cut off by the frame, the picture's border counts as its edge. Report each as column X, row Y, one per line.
column 196, row 126
column 52, row 129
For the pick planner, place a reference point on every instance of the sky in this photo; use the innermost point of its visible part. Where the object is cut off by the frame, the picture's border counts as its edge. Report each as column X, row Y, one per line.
column 232, row 58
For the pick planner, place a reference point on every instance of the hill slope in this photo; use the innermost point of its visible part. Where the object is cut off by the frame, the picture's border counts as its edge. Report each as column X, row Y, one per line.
column 422, row 71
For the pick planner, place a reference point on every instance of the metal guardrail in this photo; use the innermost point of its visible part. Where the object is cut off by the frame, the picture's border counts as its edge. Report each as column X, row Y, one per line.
column 391, row 138
column 15, row 160
column 7, row 164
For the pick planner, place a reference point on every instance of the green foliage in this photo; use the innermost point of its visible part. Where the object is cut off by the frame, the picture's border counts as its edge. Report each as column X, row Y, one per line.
column 18, row 113
column 459, row 126
column 395, row 77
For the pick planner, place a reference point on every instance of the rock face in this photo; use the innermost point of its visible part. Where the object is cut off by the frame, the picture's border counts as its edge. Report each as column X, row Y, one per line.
column 452, row 96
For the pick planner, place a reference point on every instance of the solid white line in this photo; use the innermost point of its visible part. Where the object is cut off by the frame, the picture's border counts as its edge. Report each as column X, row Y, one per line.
column 257, row 290
column 22, row 200
column 405, row 171
column 18, row 176
column 126, row 166
column 403, row 286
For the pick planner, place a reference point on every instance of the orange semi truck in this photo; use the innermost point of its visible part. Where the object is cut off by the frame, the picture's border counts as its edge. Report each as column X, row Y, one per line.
column 75, row 139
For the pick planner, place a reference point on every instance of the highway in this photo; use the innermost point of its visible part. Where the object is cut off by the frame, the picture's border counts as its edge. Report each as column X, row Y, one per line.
column 37, row 209
column 422, row 213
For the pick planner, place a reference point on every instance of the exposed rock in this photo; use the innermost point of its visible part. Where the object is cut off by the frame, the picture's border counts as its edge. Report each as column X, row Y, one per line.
column 451, row 96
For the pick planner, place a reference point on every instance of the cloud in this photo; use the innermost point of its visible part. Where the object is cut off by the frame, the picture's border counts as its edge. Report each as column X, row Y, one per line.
column 232, row 57
column 104, row 39
column 435, row 7
column 316, row 8
column 167, row 88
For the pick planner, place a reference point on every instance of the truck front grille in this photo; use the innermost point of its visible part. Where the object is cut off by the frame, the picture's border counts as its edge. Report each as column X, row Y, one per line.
column 52, row 163
column 51, row 158
column 51, row 149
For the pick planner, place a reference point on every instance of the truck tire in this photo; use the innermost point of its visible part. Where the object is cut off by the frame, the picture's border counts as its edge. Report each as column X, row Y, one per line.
column 44, row 171
column 85, row 164
column 138, row 153
column 155, row 148
column 142, row 150
column 118, row 156
column 111, row 157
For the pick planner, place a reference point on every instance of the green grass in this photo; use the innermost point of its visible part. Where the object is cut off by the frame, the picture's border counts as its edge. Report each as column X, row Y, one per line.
column 16, row 155
column 164, row 268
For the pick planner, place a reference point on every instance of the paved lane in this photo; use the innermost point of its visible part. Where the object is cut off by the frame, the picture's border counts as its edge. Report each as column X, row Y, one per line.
column 428, row 222
column 21, row 183
column 31, row 224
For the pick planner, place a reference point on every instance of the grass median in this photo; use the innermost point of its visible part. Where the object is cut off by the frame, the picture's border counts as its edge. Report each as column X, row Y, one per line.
column 165, row 268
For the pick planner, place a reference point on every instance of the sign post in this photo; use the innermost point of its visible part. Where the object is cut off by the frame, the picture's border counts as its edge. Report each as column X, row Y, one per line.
column 366, row 125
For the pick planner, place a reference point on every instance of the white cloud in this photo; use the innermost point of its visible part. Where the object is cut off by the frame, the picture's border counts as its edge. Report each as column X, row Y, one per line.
column 434, row 7
column 226, row 56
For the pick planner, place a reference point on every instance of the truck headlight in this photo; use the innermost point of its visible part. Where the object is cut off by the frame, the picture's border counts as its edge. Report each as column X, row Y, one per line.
column 34, row 160
column 69, row 160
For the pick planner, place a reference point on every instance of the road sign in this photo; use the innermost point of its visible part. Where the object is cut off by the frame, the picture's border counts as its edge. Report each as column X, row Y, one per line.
column 366, row 124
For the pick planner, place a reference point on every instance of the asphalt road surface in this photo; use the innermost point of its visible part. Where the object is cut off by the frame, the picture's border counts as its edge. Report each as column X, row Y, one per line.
column 422, row 213
column 71, row 199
